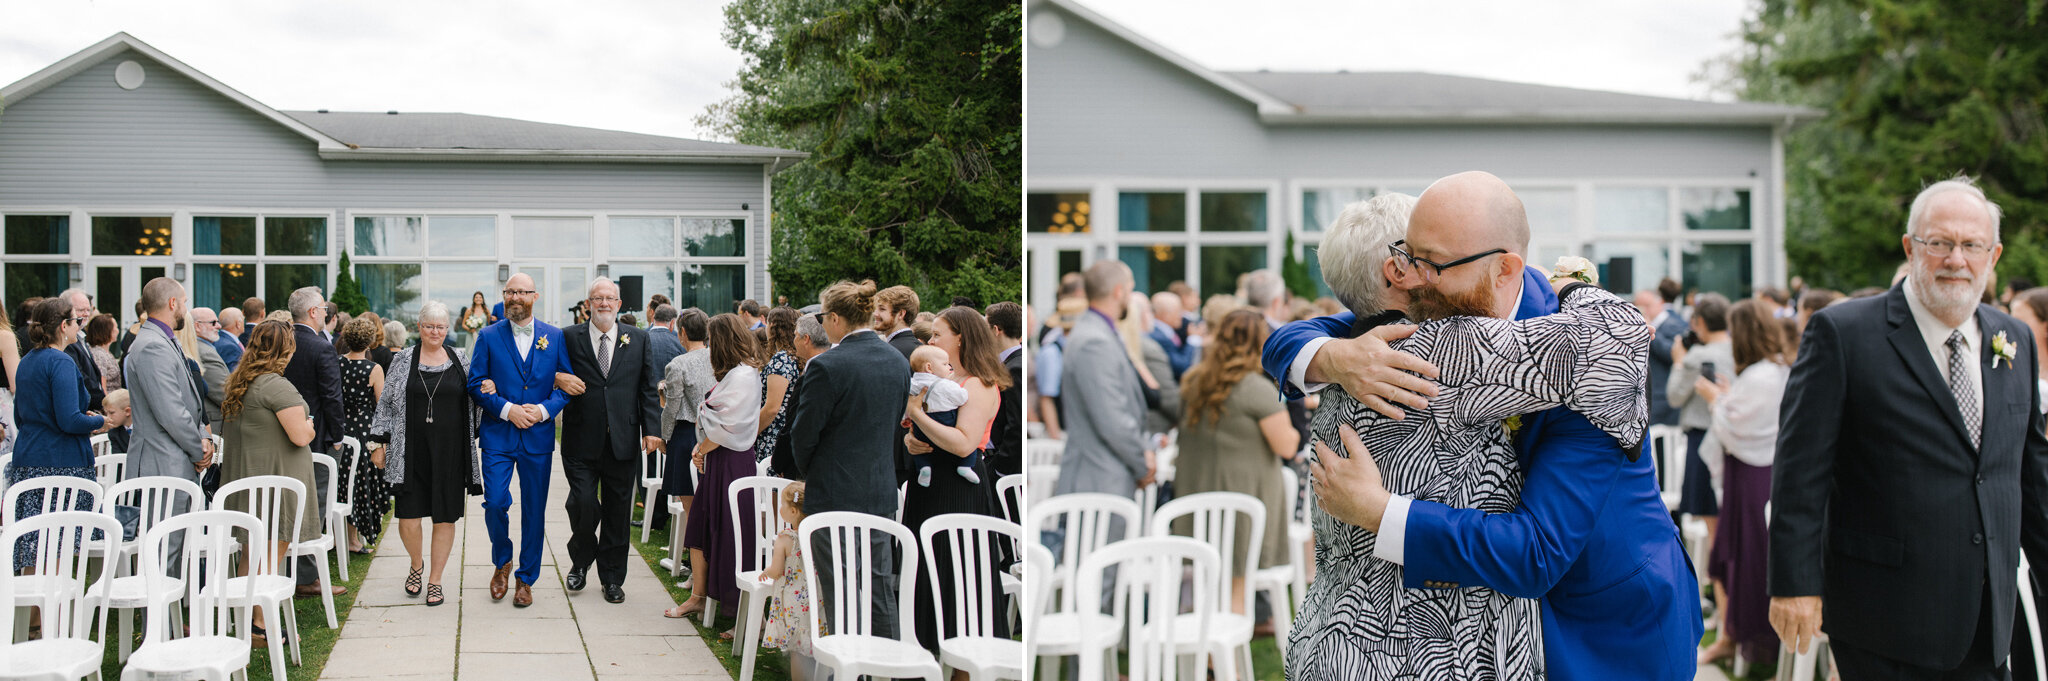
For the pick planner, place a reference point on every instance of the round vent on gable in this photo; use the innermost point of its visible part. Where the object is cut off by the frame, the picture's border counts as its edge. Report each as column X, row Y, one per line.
column 1048, row 29
column 128, row 75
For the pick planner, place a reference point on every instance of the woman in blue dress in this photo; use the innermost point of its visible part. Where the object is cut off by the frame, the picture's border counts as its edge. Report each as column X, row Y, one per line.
column 49, row 408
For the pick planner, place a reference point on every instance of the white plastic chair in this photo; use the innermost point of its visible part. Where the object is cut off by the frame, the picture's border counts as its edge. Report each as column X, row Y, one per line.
column 650, row 485
column 209, row 651
column 324, row 545
column 2028, row 606
column 102, row 445
column 855, row 645
column 1007, row 488
column 59, row 493
column 6, row 462
column 110, row 468
column 761, row 467
column 1667, row 445
column 1037, row 597
column 340, row 508
column 967, row 629
column 678, row 514
column 66, row 651
column 1214, row 520
column 1146, row 605
column 156, row 497
column 1044, row 452
column 1088, row 521
column 1039, row 483
column 1280, row 580
column 755, row 588
column 276, row 501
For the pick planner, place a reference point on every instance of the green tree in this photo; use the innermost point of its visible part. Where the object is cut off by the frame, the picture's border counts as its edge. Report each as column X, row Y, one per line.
column 912, row 112
column 1294, row 271
column 348, row 295
column 1915, row 91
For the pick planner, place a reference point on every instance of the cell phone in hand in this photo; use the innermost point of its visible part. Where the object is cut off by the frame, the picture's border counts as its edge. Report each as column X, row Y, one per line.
column 1707, row 371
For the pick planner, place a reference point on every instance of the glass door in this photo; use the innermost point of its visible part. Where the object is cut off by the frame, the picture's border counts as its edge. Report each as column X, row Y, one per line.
column 561, row 287
column 117, row 285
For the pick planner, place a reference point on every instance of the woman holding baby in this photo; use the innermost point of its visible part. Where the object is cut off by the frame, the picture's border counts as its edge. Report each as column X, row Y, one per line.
column 971, row 352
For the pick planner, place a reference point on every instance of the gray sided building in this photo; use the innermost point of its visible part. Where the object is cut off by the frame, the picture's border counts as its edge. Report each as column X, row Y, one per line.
column 1185, row 173
column 120, row 164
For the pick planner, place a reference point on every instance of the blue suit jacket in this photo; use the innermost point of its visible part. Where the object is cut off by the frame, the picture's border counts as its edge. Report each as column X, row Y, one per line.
column 518, row 381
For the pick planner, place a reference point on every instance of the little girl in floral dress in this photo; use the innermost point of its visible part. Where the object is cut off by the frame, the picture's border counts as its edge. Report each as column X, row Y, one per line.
column 789, row 612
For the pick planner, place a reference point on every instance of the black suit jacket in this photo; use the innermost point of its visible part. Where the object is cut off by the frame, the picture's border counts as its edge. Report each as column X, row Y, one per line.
column 609, row 418
column 1880, row 504
column 315, row 370
column 848, row 403
column 1008, row 430
column 81, row 354
column 906, row 343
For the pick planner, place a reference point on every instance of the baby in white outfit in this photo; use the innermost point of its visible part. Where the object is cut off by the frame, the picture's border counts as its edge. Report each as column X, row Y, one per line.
column 943, row 405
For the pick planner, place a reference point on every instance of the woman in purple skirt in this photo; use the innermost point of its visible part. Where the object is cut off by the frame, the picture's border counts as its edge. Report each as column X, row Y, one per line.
column 727, row 422
column 1743, row 441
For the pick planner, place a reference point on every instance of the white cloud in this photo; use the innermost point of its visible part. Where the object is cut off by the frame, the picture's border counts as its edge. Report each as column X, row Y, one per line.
column 1632, row 46
column 630, row 65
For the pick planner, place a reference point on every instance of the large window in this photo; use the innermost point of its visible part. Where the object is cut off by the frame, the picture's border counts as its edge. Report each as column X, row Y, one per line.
column 219, row 285
column 712, row 288
column 715, row 238
column 1721, row 268
column 1057, row 212
column 1222, row 265
column 1154, row 267
column 223, row 235
column 695, row 261
column 1152, row 212
column 391, row 236
column 643, row 237
column 1631, row 209
column 1233, row 212
column 403, row 261
column 1714, row 209
column 36, row 279
column 280, row 280
column 124, row 235
column 459, row 236
column 1320, row 207
column 38, row 235
column 294, row 236
column 551, row 238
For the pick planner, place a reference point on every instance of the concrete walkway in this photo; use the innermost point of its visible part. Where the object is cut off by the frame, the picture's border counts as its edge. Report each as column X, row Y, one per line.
column 562, row 636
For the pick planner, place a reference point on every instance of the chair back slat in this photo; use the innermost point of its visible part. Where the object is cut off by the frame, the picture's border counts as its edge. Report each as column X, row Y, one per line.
column 208, row 544
column 848, row 539
column 110, row 468
column 763, row 510
column 1213, row 520
column 277, row 501
column 1144, row 576
column 60, row 570
column 1076, row 525
column 975, row 549
column 55, row 493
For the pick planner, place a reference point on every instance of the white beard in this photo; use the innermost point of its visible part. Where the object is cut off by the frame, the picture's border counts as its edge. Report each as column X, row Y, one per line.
column 1944, row 300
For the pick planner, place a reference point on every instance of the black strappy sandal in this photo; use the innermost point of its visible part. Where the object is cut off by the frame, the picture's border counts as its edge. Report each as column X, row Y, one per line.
column 412, row 583
column 434, row 596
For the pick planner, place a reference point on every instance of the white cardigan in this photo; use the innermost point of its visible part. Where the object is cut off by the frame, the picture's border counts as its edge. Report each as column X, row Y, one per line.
column 1746, row 418
column 731, row 414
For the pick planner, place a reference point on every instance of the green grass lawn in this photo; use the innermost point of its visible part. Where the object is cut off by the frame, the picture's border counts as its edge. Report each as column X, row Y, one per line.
column 317, row 641
column 769, row 665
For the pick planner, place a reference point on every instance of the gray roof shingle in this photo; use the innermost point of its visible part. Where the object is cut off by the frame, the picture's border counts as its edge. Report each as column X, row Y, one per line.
column 1436, row 97
column 406, row 130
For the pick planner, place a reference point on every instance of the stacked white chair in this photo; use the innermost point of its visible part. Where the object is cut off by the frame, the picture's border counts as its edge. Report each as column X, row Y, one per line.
column 102, row 445
column 764, row 506
column 856, row 645
column 678, row 512
column 1010, row 491
column 972, row 546
column 1037, row 597
column 1040, row 481
column 209, row 652
column 1279, row 581
column 321, row 547
column 66, row 650
column 1667, row 445
column 1146, row 608
column 2032, row 611
column 1043, row 452
column 156, row 498
column 651, row 485
column 1088, row 520
column 340, row 508
column 110, row 468
column 59, row 493
column 1214, row 518
column 275, row 501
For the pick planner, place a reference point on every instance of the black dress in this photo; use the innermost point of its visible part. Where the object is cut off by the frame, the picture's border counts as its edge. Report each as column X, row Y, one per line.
column 358, row 407
column 436, row 457
column 952, row 494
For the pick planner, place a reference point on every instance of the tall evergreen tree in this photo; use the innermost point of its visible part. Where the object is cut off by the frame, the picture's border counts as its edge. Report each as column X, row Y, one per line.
column 912, row 111
column 348, row 295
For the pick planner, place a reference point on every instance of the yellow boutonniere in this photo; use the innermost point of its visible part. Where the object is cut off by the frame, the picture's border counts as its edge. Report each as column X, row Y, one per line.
column 1512, row 423
column 1574, row 267
column 541, row 343
column 625, row 340
column 2002, row 348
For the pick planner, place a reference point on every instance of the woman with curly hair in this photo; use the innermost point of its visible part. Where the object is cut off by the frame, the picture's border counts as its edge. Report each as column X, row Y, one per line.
column 268, row 429
column 1234, row 434
column 777, row 379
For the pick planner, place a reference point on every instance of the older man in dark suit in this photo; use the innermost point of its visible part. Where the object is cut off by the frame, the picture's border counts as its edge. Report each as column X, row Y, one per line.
column 1912, row 469
column 848, row 403
column 614, row 415
column 95, row 387
column 315, row 370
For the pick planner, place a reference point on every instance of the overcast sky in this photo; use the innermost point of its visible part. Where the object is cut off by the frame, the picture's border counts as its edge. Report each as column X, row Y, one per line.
column 645, row 66
column 1632, row 46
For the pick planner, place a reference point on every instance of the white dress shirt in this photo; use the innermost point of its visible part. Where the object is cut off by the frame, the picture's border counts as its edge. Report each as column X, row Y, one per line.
column 1936, row 333
column 599, row 338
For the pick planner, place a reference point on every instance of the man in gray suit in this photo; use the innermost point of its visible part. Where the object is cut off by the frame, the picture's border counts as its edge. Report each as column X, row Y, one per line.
column 1105, row 405
column 170, row 436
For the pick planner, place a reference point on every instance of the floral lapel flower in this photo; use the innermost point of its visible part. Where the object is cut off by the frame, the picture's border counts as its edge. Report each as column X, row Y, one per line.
column 625, row 340
column 541, row 342
column 2001, row 348
column 1574, row 267
column 1512, row 423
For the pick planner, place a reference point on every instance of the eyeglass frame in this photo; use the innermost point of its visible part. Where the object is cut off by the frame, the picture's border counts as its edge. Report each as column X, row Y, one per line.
column 1934, row 247
column 1413, row 258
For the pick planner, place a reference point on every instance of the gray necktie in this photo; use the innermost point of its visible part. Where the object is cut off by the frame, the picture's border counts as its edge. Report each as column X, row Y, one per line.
column 1966, row 393
column 604, row 354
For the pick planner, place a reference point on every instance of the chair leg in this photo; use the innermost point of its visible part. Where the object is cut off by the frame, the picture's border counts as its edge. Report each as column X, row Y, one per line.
column 336, row 528
column 127, row 617
column 647, row 516
column 710, row 611
column 750, row 637
column 280, row 623
column 326, row 589
column 1283, row 621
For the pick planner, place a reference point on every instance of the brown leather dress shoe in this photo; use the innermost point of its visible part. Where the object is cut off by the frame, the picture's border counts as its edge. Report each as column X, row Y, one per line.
column 313, row 590
column 500, row 580
column 524, row 596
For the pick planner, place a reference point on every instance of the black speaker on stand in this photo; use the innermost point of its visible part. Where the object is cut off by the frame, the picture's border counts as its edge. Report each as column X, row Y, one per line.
column 630, row 298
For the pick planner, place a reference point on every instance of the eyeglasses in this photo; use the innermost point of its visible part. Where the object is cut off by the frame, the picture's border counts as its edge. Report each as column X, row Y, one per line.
column 1940, row 248
column 1411, row 262
column 517, row 292
column 604, row 300
column 77, row 320
column 433, row 327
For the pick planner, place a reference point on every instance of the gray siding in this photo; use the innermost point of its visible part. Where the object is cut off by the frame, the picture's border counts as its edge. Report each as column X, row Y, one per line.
column 1103, row 108
column 87, row 143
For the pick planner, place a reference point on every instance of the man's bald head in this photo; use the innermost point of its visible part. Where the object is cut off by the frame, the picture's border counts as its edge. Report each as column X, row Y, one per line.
column 521, row 281
column 519, row 306
column 1468, row 213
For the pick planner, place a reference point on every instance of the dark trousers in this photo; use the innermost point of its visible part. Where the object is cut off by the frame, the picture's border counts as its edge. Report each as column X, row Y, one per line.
column 600, row 503
column 882, row 586
column 1857, row 664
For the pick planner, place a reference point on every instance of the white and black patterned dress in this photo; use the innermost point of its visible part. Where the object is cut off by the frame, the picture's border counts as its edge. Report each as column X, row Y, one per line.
column 1357, row 622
